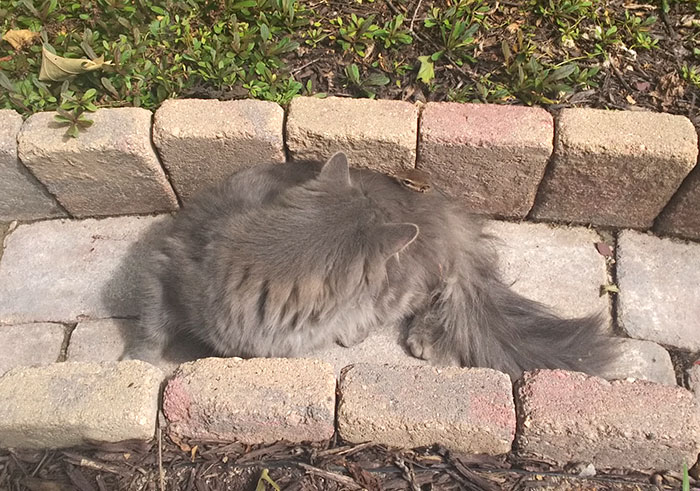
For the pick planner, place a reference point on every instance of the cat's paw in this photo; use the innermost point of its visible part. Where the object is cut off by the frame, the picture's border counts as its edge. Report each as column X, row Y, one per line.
column 421, row 344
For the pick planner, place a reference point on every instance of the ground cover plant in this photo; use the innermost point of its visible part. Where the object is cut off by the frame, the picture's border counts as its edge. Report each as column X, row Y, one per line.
column 621, row 54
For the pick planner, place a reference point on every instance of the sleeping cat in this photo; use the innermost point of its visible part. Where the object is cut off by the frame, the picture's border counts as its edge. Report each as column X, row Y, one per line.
column 283, row 259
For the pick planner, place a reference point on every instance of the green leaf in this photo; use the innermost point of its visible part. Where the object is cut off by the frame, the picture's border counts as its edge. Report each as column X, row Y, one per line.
column 353, row 73
column 686, row 478
column 158, row 10
column 73, row 131
column 562, row 72
column 264, row 32
column 426, row 72
column 89, row 94
column 377, row 79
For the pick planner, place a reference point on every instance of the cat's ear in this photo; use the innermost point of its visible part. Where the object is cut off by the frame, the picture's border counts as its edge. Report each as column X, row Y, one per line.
column 394, row 237
column 336, row 169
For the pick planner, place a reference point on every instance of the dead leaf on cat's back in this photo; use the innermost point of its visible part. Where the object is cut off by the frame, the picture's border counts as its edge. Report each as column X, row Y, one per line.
column 19, row 38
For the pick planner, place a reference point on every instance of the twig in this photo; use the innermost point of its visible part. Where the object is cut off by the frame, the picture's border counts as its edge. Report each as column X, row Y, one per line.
column 408, row 474
column 161, row 472
column 344, row 480
column 619, row 75
column 415, row 13
column 81, row 461
column 393, row 8
column 41, row 462
column 346, row 450
column 297, row 70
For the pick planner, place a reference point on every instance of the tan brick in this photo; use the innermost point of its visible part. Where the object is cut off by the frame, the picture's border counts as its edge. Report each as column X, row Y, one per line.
column 375, row 134
column 681, row 216
column 202, row 142
column 22, row 197
column 615, row 168
column 66, row 404
column 110, row 169
column 572, row 417
column 466, row 409
column 30, row 345
column 491, row 156
column 260, row 400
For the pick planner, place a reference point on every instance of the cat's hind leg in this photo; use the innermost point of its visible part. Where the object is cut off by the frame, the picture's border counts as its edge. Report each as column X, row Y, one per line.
column 154, row 329
column 424, row 330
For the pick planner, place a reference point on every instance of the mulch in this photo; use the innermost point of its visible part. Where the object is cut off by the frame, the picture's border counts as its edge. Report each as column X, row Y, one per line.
column 332, row 465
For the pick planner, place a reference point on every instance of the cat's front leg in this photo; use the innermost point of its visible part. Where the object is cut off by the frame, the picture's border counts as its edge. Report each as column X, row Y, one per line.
column 423, row 334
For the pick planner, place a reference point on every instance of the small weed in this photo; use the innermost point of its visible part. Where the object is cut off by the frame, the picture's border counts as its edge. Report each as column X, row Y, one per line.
column 358, row 34
column 691, row 74
column 364, row 85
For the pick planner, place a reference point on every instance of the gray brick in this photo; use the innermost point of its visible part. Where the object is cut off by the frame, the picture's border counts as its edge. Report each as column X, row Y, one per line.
column 642, row 360
column 202, row 142
column 111, row 169
column 571, row 417
column 681, row 217
column 376, row 134
column 70, row 270
column 66, row 404
column 466, row 409
column 22, row 197
column 30, row 345
column 251, row 401
column 106, row 340
column 491, row 156
column 556, row 265
column 658, row 281
column 615, row 168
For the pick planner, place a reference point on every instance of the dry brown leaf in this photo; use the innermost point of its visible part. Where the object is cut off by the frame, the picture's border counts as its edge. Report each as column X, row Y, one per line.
column 19, row 38
column 55, row 68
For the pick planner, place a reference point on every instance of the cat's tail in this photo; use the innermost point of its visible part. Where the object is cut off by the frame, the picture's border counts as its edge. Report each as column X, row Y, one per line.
column 487, row 324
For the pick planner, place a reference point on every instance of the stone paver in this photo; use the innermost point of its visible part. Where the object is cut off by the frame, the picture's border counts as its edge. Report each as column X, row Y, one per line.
column 202, row 142
column 570, row 417
column 251, row 401
column 111, row 169
column 658, row 280
column 642, row 360
column 30, row 345
column 377, row 134
column 22, row 197
column 66, row 404
column 556, row 265
column 106, row 340
column 681, row 216
column 468, row 410
column 615, row 168
column 69, row 270
column 492, row 156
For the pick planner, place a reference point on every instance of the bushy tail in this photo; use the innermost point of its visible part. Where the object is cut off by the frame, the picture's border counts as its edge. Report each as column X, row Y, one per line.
column 485, row 323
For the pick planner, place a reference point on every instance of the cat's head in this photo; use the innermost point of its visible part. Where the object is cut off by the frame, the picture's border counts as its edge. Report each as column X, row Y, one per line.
column 349, row 228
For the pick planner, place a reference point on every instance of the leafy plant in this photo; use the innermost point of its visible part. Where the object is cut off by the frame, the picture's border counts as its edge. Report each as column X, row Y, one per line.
column 365, row 85
column 358, row 34
column 392, row 34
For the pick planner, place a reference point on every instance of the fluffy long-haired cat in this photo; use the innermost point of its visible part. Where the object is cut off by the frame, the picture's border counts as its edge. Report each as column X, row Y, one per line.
column 283, row 259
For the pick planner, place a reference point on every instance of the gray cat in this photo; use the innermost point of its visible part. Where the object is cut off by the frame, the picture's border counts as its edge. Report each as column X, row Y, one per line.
column 283, row 259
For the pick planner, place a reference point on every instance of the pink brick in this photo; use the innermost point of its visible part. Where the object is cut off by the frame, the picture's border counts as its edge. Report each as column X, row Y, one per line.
column 465, row 409
column 572, row 417
column 251, row 401
column 491, row 156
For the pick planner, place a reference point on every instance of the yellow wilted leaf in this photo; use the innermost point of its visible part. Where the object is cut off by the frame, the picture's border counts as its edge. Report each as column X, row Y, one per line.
column 55, row 68
column 19, row 38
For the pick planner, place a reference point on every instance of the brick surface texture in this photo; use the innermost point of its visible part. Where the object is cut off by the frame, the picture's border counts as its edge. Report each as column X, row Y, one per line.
column 70, row 270
column 68, row 404
column 111, row 169
column 615, row 168
column 658, row 280
column 555, row 265
column 571, row 417
column 491, row 156
column 30, row 345
column 376, row 134
column 468, row 410
column 642, row 360
column 251, row 401
column 681, row 216
column 22, row 197
column 202, row 142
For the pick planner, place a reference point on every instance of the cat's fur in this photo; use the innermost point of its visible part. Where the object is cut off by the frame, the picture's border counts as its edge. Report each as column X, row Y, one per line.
column 282, row 259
